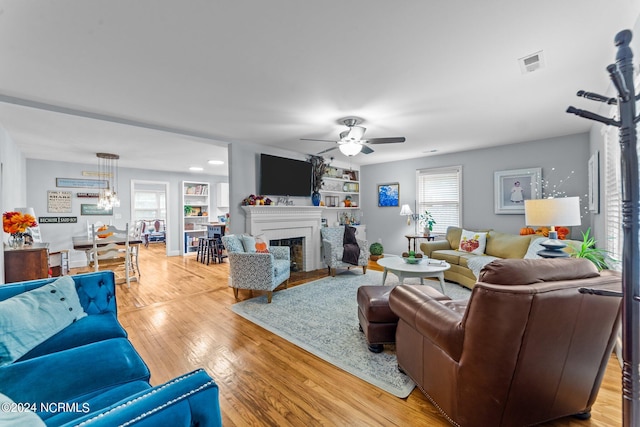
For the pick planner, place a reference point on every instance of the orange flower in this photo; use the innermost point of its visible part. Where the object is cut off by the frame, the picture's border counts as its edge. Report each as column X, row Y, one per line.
column 16, row 222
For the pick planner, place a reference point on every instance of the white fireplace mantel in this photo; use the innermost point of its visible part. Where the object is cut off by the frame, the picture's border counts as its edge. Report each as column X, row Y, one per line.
column 286, row 222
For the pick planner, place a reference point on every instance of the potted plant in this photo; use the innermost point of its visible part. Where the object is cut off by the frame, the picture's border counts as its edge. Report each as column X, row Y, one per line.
column 427, row 222
column 375, row 251
column 588, row 250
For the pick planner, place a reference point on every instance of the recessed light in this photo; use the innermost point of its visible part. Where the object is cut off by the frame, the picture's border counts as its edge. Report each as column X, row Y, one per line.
column 431, row 151
column 216, row 162
column 196, row 168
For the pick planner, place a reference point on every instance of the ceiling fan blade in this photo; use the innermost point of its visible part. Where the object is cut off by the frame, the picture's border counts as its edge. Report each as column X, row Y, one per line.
column 327, row 150
column 386, row 140
column 321, row 140
column 366, row 150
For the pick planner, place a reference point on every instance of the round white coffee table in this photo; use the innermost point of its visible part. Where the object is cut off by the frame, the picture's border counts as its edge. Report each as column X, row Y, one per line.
column 397, row 266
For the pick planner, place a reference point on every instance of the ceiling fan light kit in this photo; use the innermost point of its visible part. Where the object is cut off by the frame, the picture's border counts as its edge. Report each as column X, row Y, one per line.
column 351, row 141
column 349, row 148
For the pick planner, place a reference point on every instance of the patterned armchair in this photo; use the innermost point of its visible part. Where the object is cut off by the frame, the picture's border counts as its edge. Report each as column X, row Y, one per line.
column 253, row 270
column 332, row 240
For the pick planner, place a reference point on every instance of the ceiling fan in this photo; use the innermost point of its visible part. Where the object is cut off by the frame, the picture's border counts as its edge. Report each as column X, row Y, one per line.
column 351, row 141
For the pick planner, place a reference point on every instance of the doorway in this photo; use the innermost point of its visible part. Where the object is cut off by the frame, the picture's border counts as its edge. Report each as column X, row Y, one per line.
column 149, row 203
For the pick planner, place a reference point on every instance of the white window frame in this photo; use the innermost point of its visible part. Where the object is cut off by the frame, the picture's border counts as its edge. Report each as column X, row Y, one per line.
column 435, row 204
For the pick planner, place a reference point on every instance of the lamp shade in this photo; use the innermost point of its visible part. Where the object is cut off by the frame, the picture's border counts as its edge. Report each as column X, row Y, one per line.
column 551, row 212
column 406, row 210
column 349, row 148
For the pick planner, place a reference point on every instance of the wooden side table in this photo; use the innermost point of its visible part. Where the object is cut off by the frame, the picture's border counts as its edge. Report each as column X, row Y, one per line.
column 415, row 237
column 27, row 263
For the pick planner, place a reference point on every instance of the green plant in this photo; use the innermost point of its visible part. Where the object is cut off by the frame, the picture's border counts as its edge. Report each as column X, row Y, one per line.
column 376, row 249
column 600, row 257
column 187, row 210
column 427, row 221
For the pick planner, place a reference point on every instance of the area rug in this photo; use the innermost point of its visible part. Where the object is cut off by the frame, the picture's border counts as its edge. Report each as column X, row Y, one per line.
column 322, row 318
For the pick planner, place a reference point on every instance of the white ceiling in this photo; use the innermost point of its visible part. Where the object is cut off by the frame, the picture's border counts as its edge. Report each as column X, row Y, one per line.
column 443, row 74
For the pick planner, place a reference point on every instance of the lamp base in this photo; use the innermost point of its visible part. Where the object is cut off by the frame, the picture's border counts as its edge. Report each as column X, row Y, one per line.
column 553, row 247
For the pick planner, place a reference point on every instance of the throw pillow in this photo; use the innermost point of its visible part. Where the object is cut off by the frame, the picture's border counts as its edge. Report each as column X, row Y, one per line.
column 261, row 247
column 249, row 243
column 233, row 243
column 534, row 247
column 473, row 242
column 32, row 317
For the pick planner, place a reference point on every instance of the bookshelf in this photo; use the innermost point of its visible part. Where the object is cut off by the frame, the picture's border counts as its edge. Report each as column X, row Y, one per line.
column 196, row 208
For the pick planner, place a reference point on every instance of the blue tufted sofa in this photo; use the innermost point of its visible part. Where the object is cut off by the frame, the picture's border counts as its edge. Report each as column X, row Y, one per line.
column 90, row 374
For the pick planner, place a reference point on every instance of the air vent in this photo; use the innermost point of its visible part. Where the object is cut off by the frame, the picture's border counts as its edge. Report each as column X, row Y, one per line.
column 531, row 63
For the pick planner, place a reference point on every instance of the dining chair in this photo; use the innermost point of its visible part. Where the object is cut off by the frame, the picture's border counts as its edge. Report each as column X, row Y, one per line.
column 136, row 235
column 112, row 252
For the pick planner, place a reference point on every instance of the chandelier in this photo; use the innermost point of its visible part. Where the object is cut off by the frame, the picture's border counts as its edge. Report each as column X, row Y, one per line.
column 108, row 170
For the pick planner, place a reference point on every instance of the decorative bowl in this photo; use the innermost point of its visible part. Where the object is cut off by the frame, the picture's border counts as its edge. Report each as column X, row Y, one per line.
column 410, row 260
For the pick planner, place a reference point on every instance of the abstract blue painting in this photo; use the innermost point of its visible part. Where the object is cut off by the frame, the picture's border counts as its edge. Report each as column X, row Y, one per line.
column 388, row 194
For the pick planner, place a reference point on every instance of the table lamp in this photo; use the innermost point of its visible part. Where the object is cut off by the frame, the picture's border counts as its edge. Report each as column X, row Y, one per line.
column 549, row 212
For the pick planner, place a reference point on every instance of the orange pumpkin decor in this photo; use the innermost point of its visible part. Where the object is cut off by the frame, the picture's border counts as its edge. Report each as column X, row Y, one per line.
column 525, row 231
column 543, row 231
column 563, row 232
column 261, row 247
column 103, row 235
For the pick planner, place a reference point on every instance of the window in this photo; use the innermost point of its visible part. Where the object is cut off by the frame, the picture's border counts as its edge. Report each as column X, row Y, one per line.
column 612, row 199
column 149, row 204
column 439, row 191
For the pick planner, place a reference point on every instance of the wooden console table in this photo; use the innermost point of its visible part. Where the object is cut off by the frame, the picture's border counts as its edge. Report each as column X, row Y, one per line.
column 415, row 237
column 28, row 263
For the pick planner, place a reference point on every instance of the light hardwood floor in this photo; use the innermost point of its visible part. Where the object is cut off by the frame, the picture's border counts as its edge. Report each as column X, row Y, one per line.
column 178, row 318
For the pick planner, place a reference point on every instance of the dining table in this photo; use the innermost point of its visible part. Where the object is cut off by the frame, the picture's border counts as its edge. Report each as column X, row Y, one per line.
column 82, row 243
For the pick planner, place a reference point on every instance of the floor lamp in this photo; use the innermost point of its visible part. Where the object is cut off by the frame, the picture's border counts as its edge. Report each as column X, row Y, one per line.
column 563, row 211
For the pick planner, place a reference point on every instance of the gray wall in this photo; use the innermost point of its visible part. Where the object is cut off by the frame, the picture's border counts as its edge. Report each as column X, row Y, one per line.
column 13, row 182
column 42, row 176
column 565, row 154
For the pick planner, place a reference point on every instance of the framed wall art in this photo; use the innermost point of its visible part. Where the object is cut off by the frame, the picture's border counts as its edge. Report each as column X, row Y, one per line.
column 81, row 183
column 388, row 195
column 59, row 201
column 513, row 187
column 93, row 209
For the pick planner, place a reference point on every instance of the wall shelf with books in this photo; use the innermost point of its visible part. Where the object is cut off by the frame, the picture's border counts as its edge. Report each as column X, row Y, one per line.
column 196, row 207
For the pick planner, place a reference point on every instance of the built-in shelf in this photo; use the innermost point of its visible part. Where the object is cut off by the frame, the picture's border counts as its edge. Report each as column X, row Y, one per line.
column 196, row 206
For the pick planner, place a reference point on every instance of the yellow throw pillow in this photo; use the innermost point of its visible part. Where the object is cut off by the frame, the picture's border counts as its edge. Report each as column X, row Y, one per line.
column 473, row 242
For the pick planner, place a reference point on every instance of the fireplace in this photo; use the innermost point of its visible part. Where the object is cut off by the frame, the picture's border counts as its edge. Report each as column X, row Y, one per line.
column 296, row 251
column 289, row 222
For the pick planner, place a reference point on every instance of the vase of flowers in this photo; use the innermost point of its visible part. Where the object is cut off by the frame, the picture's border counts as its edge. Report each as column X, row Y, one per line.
column 319, row 168
column 16, row 224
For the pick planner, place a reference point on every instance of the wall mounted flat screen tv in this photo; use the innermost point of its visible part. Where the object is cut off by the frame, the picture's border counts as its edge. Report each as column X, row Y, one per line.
column 280, row 176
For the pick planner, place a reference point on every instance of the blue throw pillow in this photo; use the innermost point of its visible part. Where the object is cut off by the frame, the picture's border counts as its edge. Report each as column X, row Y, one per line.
column 233, row 243
column 32, row 317
column 249, row 243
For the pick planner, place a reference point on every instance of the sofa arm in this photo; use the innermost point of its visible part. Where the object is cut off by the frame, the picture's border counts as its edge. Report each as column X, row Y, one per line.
column 427, row 314
column 191, row 399
column 438, row 245
column 364, row 248
column 280, row 252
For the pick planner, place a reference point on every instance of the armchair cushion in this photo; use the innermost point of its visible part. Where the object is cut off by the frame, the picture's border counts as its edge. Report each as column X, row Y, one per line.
column 32, row 317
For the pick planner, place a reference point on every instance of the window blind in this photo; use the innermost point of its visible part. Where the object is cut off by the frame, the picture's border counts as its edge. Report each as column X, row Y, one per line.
column 149, row 205
column 612, row 197
column 439, row 192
